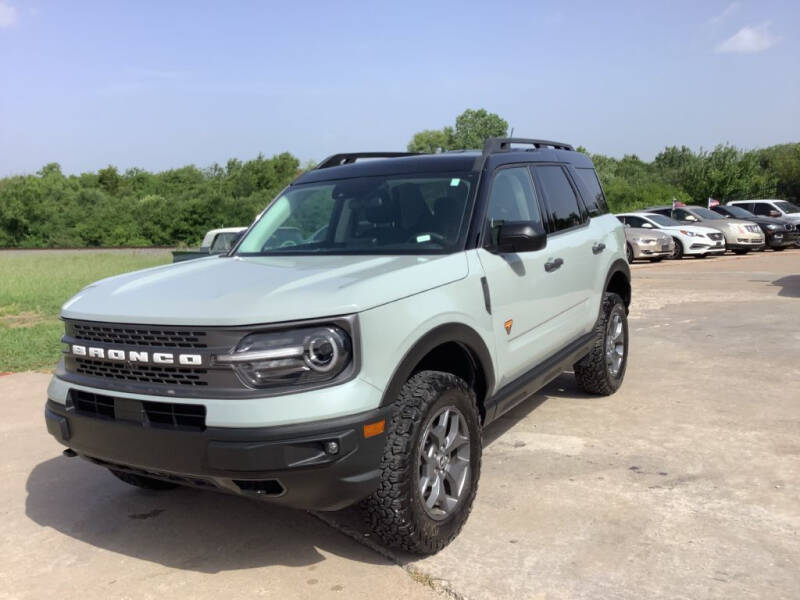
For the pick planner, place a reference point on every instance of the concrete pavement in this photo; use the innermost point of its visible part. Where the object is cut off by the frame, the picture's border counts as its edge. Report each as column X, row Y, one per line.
column 684, row 484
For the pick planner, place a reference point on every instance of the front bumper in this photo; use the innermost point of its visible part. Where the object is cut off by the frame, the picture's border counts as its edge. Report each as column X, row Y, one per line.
column 285, row 464
column 744, row 241
column 781, row 239
column 705, row 246
column 652, row 250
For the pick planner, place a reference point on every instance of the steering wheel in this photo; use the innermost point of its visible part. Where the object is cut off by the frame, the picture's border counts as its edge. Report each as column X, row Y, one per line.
column 434, row 237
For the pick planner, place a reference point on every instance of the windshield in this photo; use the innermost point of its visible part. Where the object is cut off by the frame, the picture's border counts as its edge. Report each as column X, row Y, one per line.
column 663, row 221
column 739, row 212
column 398, row 214
column 705, row 213
column 787, row 207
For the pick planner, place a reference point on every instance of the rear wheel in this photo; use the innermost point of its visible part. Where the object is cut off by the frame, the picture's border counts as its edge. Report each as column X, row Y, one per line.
column 603, row 369
column 140, row 481
column 430, row 466
column 629, row 253
column 678, row 251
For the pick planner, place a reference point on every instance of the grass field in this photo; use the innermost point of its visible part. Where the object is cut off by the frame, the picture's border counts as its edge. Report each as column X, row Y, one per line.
column 34, row 285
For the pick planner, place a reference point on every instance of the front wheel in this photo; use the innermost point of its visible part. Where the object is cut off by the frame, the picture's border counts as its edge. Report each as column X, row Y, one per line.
column 430, row 466
column 677, row 252
column 741, row 251
column 700, row 255
column 629, row 253
column 603, row 369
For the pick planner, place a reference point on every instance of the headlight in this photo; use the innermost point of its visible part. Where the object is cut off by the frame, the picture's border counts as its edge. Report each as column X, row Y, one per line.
column 690, row 233
column 288, row 358
column 648, row 240
column 773, row 227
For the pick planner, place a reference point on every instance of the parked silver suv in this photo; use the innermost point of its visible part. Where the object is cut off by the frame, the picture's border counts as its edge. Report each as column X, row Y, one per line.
column 429, row 295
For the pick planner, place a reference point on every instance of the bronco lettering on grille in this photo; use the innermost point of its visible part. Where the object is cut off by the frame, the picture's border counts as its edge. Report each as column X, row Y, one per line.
column 137, row 356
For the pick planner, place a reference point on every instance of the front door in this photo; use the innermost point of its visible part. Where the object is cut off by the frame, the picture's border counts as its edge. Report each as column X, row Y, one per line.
column 528, row 291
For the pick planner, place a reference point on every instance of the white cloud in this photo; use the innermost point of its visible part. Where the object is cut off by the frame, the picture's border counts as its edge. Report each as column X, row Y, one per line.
column 729, row 10
column 8, row 14
column 750, row 40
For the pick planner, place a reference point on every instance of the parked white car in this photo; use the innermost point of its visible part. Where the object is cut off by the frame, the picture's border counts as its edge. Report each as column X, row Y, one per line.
column 690, row 240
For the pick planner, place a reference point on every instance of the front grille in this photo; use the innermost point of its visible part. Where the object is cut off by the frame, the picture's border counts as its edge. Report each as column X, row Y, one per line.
column 143, row 373
column 753, row 228
column 171, row 415
column 715, row 236
column 139, row 336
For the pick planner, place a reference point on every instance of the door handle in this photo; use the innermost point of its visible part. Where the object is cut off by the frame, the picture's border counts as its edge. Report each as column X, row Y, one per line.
column 598, row 247
column 553, row 264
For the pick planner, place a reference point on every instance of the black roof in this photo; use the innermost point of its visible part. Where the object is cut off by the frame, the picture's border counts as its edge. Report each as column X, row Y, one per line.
column 457, row 161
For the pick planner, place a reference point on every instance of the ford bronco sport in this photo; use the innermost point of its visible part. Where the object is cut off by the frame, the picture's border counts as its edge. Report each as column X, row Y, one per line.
column 430, row 294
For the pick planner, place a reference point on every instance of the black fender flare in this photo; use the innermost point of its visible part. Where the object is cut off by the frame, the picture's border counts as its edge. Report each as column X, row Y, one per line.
column 442, row 334
column 619, row 266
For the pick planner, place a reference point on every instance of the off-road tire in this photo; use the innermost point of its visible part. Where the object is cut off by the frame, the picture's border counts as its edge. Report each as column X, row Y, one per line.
column 395, row 511
column 591, row 372
column 140, row 481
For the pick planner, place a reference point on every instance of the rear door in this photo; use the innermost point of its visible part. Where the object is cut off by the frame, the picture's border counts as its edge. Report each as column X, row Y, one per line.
column 569, row 240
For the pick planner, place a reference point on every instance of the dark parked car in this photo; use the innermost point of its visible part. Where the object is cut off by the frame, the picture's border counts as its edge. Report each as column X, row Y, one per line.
column 779, row 233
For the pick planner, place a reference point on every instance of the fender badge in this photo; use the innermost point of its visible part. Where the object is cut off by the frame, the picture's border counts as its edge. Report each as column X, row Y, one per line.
column 508, row 325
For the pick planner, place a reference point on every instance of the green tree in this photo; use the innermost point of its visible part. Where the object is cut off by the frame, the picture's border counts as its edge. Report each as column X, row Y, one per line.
column 471, row 130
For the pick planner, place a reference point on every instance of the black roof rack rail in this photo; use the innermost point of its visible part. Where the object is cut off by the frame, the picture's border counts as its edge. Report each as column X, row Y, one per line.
column 348, row 158
column 498, row 144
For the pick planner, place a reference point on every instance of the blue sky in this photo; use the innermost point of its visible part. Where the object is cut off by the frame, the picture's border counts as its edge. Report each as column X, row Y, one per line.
column 164, row 84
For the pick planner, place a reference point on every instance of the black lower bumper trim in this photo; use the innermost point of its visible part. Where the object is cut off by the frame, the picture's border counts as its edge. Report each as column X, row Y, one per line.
column 323, row 465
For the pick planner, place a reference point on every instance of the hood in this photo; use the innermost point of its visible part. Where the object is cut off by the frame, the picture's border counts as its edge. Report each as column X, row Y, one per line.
column 644, row 232
column 759, row 220
column 692, row 228
column 724, row 224
column 253, row 290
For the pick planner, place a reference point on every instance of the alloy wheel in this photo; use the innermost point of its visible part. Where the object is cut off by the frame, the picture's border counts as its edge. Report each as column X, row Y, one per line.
column 444, row 470
column 615, row 344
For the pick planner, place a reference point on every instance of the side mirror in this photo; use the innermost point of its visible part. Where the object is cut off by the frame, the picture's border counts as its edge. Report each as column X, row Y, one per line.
column 520, row 237
column 647, row 225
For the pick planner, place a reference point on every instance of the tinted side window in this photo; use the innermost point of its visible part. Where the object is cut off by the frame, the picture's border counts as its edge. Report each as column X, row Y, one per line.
column 512, row 198
column 594, row 199
column 635, row 221
column 560, row 199
column 763, row 208
column 679, row 214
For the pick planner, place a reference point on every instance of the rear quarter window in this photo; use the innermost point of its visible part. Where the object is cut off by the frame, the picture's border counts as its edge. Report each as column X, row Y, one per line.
column 592, row 192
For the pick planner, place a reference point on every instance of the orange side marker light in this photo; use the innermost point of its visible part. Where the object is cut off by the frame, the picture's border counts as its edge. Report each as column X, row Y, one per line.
column 373, row 429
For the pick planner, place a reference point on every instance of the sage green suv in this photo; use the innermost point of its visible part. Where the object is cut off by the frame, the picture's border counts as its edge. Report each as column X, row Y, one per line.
column 427, row 296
